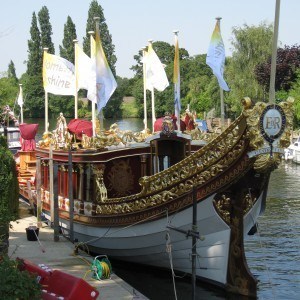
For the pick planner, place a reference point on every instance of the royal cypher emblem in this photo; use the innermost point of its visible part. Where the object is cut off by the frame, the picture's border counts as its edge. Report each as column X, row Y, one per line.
column 272, row 123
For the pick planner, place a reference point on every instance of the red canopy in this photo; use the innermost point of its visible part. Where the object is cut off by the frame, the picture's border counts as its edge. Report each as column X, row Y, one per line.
column 28, row 132
column 78, row 127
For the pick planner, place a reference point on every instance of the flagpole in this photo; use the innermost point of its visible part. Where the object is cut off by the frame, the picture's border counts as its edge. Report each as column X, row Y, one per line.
column 221, row 91
column 97, row 19
column 21, row 106
column 177, row 81
column 274, row 54
column 152, row 99
column 76, row 83
column 46, row 102
column 145, row 90
column 91, row 33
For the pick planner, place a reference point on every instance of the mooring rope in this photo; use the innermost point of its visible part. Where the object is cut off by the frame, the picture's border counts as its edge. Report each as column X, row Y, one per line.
column 169, row 251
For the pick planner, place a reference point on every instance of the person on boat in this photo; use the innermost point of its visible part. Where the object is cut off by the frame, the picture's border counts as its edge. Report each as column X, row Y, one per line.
column 159, row 122
column 189, row 120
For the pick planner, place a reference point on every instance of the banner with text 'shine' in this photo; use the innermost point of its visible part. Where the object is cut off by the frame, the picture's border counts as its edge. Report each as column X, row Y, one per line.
column 58, row 75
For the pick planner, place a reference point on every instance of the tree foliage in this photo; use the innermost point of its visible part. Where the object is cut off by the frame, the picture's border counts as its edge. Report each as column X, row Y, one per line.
column 8, row 91
column 252, row 45
column 9, row 194
column 46, row 29
column 95, row 10
column 34, row 62
column 66, row 50
column 34, row 96
column 112, row 109
column 11, row 72
column 287, row 63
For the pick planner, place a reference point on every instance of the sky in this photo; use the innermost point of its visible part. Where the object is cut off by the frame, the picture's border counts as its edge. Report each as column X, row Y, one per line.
column 133, row 22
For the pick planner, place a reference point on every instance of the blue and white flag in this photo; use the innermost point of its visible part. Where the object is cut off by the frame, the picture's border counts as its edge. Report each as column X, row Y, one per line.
column 216, row 56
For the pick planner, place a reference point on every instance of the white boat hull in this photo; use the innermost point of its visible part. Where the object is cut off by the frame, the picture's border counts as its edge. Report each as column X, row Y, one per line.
column 148, row 244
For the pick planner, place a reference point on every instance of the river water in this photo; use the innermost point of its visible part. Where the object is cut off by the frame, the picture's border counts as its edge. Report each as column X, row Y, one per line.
column 273, row 253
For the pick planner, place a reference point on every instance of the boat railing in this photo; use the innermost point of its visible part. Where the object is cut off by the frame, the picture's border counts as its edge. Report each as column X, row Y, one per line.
column 198, row 167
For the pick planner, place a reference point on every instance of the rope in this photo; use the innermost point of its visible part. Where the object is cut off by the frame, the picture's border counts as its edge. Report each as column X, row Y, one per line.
column 169, row 251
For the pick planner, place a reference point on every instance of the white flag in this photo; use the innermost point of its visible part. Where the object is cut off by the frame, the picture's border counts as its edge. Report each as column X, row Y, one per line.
column 155, row 73
column 105, row 84
column 20, row 97
column 58, row 75
column 216, row 56
column 84, row 69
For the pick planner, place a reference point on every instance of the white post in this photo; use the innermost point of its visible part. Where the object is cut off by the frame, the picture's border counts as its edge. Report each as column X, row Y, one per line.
column 153, row 108
column 51, row 190
column 21, row 106
column 91, row 33
column 274, row 54
column 46, row 103
column 145, row 89
column 152, row 99
column 38, row 193
column 76, row 83
column 97, row 19
column 222, row 109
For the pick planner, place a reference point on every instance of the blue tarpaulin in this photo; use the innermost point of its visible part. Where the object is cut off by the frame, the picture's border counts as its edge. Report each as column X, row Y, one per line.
column 202, row 125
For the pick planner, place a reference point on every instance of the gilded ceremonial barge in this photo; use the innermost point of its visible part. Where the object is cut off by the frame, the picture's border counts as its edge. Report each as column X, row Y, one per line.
column 133, row 193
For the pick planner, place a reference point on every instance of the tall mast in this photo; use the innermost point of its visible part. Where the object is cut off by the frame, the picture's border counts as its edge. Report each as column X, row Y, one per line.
column 91, row 33
column 46, row 103
column 274, row 54
column 145, row 90
column 221, row 90
column 75, row 41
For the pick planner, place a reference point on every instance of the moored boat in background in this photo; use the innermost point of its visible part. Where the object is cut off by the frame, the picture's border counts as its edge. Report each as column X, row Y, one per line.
column 9, row 127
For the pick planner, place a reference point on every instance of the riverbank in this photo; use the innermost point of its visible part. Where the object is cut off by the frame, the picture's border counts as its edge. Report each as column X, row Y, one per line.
column 60, row 256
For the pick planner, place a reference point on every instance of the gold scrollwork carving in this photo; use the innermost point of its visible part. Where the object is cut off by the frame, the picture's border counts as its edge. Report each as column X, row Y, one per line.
column 266, row 162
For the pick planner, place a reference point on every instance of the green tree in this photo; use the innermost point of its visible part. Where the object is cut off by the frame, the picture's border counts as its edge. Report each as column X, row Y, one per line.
column 164, row 51
column 65, row 104
column 46, row 29
column 9, row 193
column 34, row 104
column 96, row 10
column 252, row 45
column 11, row 72
column 293, row 92
column 112, row 108
column 8, row 91
column 34, row 62
column 67, row 49
column 287, row 64
column 164, row 101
